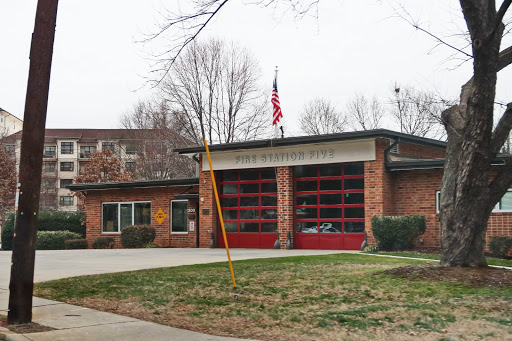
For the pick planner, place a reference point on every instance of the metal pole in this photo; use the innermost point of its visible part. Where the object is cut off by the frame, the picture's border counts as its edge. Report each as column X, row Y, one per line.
column 32, row 141
column 220, row 214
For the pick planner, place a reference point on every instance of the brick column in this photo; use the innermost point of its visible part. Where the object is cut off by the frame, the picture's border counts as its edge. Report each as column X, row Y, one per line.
column 378, row 189
column 285, row 204
column 207, row 208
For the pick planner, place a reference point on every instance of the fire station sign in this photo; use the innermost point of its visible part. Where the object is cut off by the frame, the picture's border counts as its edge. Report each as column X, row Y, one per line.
column 160, row 216
column 314, row 154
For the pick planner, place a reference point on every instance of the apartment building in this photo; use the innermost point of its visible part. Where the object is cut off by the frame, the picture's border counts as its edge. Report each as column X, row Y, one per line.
column 9, row 124
column 67, row 151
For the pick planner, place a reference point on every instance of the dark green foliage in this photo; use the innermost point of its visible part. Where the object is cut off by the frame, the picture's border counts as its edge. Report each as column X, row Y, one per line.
column 397, row 232
column 103, row 243
column 54, row 240
column 61, row 221
column 137, row 236
column 500, row 246
column 8, row 232
column 48, row 221
column 73, row 244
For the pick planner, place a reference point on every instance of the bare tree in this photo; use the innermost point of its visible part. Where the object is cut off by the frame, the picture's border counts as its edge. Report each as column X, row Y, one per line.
column 470, row 190
column 364, row 114
column 319, row 116
column 153, row 137
column 214, row 92
column 416, row 112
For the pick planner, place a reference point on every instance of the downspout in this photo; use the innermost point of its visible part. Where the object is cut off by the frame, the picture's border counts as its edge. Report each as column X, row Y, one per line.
column 196, row 159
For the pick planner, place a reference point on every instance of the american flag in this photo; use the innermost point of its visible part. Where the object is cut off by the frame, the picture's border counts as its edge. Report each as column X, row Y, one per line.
column 275, row 102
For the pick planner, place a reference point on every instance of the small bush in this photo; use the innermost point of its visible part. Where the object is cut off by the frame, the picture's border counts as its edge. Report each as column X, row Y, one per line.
column 8, row 232
column 103, row 243
column 136, row 236
column 74, row 244
column 397, row 232
column 372, row 248
column 54, row 240
column 500, row 246
column 151, row 245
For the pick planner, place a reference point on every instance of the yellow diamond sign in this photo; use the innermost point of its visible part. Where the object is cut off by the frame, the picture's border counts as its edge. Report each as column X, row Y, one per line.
column 160, row 216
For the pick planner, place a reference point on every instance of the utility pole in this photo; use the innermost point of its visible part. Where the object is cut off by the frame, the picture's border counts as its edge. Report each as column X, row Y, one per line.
column 32, row 141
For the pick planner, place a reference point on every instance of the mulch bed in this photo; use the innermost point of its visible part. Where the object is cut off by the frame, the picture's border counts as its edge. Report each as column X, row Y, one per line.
column 473, row 277
column 23, row 328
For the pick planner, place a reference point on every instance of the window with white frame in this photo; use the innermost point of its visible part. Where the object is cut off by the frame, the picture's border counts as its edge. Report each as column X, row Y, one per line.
column 116, row 215
column 66, row 201
column 504, row 205
column 179, row 216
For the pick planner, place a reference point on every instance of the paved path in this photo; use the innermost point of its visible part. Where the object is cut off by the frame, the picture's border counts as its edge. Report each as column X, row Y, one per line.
column 73, row 323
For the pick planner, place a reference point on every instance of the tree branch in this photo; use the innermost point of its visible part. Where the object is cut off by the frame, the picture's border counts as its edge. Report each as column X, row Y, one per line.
column 501, row 132
column 501, row 182
column 499, row 18
column 505, row 58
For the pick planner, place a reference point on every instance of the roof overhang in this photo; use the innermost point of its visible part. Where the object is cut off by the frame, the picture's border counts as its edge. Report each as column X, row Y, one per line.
column 134, row 184
column 289, row 141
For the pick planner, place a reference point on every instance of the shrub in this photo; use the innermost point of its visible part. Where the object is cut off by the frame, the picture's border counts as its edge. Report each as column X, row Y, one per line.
column 151, row 245
column 137, row 236
column 397, row 232
column 74, row 244
column 61, row 221
column 103, row 243
column 47, row 221
column 8, row 232
column 54, row 240
column 500, row 246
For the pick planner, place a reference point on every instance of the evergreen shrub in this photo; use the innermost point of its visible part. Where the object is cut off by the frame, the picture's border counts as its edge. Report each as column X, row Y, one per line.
column 397, row 232
column 74, row 244
column 54, row 240
column 137, row 236
column 500, row 246
column 103, row 243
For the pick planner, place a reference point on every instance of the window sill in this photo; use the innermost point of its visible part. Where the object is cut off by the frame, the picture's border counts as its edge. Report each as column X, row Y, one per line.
column 179, row 232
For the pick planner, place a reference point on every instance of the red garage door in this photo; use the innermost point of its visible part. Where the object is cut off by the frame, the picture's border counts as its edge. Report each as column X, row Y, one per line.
column 249, row 208
column 329, row 206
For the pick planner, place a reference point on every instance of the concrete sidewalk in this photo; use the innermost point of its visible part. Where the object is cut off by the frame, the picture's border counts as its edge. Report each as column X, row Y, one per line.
column 74, row 323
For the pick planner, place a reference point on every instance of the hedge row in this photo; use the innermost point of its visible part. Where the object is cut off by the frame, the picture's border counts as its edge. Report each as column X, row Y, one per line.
column 47, row 221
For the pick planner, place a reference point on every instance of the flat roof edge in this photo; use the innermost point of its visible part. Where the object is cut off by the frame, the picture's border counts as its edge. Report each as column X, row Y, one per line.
column 134, row 184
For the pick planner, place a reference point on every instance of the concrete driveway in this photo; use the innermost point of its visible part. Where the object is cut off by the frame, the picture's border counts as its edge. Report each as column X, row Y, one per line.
column 69, row 263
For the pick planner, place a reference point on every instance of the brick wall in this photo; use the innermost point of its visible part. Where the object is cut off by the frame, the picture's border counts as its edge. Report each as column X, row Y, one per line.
column 207, row 209
column 159, row 197
column 420, row 151
column 285, row 199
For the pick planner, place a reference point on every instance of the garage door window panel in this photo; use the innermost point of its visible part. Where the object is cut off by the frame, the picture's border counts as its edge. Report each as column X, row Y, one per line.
column 252, row 207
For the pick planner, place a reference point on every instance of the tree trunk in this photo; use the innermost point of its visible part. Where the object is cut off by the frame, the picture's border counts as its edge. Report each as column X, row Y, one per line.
column 468, row 194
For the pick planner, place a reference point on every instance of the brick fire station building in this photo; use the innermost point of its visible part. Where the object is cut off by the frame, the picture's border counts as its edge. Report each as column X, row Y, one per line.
column 320, row 192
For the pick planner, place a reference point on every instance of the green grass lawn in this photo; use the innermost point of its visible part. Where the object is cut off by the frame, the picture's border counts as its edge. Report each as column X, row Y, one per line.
column 332, row 297
column 436, row 256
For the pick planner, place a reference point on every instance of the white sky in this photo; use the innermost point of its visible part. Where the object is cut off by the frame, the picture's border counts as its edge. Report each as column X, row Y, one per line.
column 355, row 46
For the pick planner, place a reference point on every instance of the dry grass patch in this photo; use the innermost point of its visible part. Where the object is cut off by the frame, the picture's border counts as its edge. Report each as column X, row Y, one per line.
column 332, row 297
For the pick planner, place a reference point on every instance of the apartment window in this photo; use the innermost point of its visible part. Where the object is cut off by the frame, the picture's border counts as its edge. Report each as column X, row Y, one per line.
column 108, row 145
column 67, row 166
column 129, row 166
column 65, row 182
column 179, row 216
column 131, row 148
column 66, row 147
column 49, row 151
column 10, row 149
column 66, row 201
column 504, row 205
column 86, row 151
column 49, row 183
column 116, row 215
column 49, row 167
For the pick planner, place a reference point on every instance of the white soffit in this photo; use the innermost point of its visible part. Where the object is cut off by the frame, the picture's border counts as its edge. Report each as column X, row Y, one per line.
column 305, row 154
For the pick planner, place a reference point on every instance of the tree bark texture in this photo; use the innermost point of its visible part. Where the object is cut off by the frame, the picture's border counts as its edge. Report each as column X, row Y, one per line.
column 32, row 141
column 468, row 193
